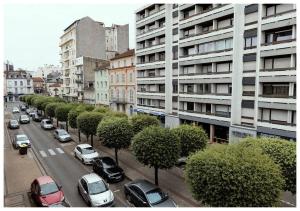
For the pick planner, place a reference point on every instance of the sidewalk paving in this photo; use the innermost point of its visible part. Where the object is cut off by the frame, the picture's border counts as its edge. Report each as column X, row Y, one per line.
column 172, row 180
column 19, row 172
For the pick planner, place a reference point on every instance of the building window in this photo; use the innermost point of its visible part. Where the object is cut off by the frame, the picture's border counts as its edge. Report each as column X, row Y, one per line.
column 279, row 35
column 112, row 79
column 276, row 89
column 190, row 106
column 98, row 96
column 131, row 95
column 250, row 42
column 130, row 77
column 16, row 83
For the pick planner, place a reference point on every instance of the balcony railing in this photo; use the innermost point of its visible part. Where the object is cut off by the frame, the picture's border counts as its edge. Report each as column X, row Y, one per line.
column 206, row 93
column 280, row 13
column 156, row 44
column 278, row 69
column 248, row 93
column 150, row 76
column 277, row 122
column 145, row 16
column 205, row 53
column 202, row 12
column 278, row 42
column 147, row 91
column 79, row 81
column 206, row 32
column 152, row 106
column 207, row 73
column 277, row 96
column 219, row 114
column 146, row 62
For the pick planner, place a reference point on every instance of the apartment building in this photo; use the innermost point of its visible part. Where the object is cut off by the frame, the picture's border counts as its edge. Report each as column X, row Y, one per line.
column 122, row 82
column 38, row 84
column 87, row 38
column 102, row 83
column 18, row 83
column 47, row 69
column 232, row 76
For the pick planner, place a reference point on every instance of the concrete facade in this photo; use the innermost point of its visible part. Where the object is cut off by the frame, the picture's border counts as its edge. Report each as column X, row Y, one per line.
column 85, row 38
column 102, row 84
column 232, row 76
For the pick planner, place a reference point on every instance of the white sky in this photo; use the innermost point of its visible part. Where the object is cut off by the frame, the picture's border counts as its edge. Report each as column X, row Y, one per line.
column 32, row 31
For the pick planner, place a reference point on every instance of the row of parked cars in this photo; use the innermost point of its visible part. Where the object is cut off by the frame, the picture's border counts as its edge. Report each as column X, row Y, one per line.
column 93, row 187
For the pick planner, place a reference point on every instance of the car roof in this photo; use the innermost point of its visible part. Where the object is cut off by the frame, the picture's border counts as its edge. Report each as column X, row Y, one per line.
column 107, row 160
column 46, row 119
column 23, row 115
column 84, row 145
column 13, row 120
column 21, row 135
column 92, row 177
column 44, row 180
column 144, row 185
column 61, row 130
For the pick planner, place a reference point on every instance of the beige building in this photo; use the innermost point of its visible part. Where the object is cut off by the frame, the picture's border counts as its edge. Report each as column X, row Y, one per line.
column 55, row 90
column 122, row 82
column 86, row 38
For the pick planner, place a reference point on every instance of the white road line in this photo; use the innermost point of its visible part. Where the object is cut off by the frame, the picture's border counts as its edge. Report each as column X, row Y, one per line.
column 116, row 190
column 51, row 152
column 286, row 202
column 60, row 150
column 43, row 153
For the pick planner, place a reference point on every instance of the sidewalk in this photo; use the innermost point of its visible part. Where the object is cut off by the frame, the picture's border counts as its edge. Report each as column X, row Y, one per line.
column 19, row 172
column 172, row 180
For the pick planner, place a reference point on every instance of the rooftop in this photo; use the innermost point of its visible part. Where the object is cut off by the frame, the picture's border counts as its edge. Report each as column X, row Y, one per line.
column 37, row 79
column 125, row 54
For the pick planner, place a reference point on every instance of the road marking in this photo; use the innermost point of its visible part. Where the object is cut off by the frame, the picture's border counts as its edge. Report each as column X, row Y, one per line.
column 51, row 152
column 60, row 150
column 116, row 190
column 43, row 153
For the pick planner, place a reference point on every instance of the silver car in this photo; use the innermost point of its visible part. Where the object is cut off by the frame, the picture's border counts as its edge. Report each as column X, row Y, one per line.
column 21, row 139
column 15, row 110
column 46, row 124
column 24, row 119
column 62, row 135
column 86, row 153
column 95, row 191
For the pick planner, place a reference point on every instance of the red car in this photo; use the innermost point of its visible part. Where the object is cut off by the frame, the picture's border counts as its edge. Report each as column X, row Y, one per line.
column 45, row 191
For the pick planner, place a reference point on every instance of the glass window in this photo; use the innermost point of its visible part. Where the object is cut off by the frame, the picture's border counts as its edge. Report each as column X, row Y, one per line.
column 49, row 188
column 228, row 43
column 97, row 187
column 220, row 45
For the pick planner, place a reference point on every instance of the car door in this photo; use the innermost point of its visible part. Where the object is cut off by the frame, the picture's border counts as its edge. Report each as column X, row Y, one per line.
column 79, row 152
column 136, row 196
column 84, row 190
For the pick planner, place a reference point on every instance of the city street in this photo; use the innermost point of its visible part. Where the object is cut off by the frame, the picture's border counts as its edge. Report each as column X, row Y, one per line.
column 59, row 162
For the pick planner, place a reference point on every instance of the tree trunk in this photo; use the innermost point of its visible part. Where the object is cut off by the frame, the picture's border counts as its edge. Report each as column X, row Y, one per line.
column 79, row 135
column 116, row 156
column 67, row 126
column 156, row 175
column 92, row 141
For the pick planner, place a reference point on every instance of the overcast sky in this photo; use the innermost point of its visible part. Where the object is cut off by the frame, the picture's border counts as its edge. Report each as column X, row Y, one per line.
column 31, row 32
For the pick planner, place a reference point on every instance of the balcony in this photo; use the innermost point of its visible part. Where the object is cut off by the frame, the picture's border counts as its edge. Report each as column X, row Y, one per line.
column 248, row 93
column 78, row 72
column 277, row 96
column 218, row 114
column 120, row 100
column 205, row 73
column 278, row 69
column 152, row 106
column 152, row 45
column 206, row 32
column 79, row 81
column 144, row 91
column 202, row 12
column 279, row 14
column 277, row 122
column 278, row 42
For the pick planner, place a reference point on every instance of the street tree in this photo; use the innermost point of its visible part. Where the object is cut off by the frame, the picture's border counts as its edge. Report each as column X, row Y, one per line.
column 102, row 109
column 61, row 113
column 156, row 147
column 282, row 152
column 192, row 138
column 232, row 176
column 87, row 123
column 50, row 109
column 72, row 118
column 141, row 121
column 115, row 133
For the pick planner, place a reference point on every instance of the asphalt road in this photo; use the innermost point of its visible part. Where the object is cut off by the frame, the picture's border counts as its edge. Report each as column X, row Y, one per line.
column 60, row 163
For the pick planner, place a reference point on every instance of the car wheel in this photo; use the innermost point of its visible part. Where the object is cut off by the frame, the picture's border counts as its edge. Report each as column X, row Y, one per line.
column 89, row 204
column 82, row 160
column 128, row 197
column 75, row 155
column 78, row 190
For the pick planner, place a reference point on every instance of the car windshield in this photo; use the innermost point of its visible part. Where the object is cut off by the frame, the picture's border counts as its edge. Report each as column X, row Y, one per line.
column 156, row 196
column 48, row 188
column 63, row 133
column 13, row 121
column 22, row 138
column 24, row 117
column 88, row 150
column 108, row 163
column 97, row 187
column 15, row 108
column 48, row 122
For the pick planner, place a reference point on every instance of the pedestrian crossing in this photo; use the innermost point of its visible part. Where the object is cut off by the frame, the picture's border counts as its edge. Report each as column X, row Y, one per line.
column 51, row 152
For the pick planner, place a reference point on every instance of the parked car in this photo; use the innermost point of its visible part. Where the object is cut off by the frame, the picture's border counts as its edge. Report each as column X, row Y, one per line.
column 13, row 124
column 85, row 153
column 107, row 168
column 60, row 204
column 47, row 124
column 36, row 117
column 21, row 139
column 32, row 113
column 23, row 107
column 15, row 110
column 24, row 119
column 62, row 135
column 95, row 191
column 28, row 110
column 46, row 192
column 142, row 193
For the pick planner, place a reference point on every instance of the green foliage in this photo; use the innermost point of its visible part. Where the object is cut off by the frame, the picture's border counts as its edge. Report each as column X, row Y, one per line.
column 141, row 121
column 282, row 152
column 101, row 109
column 117, row 114
column 156, row 147
column 115, row 132
column 28, row 99
column 89, row 107
column 87, row 122
column 61, row 112
column 233, row 176
column 50, row 109
column 192, row 138
column 73, row 114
